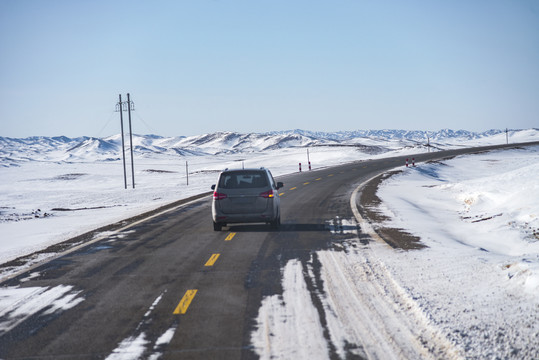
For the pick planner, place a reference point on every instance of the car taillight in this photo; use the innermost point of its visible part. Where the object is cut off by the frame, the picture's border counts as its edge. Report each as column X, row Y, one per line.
column 219, row 196
column 267, row 194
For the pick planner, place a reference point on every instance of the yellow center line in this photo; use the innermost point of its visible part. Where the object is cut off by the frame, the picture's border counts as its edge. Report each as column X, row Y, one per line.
column 230, row 236
column 318, row 179
column 212, row 260
column 294, row 188
column 330, row 175
column 185, row 302
column 306, row 183
column 281, row 194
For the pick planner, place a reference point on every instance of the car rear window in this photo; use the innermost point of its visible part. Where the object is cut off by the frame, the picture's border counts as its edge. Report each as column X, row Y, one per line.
column 243, row 180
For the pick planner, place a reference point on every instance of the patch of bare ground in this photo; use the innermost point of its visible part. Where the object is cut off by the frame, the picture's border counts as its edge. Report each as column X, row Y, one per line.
column 369, row 209
column 157, row 171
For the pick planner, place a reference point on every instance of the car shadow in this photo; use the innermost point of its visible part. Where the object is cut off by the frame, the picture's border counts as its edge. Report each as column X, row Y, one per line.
column 290, row 228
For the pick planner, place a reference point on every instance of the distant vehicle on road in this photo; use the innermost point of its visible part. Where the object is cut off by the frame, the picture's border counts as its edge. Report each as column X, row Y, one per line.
column 246, row 196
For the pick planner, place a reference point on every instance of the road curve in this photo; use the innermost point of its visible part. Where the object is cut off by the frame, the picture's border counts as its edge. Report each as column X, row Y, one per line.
column 171, row 286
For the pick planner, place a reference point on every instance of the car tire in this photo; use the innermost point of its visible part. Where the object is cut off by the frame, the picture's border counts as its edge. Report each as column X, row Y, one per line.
column 217, row 226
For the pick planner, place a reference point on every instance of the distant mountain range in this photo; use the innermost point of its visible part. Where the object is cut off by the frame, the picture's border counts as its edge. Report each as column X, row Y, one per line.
column 416, row 135
column 60, row 148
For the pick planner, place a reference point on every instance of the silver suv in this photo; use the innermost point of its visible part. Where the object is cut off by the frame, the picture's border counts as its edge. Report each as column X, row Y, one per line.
column 246, row 196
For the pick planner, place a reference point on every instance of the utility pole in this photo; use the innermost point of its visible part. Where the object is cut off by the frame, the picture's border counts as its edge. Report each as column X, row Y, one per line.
column 119, row 108
column 187, row 172
column 129, row 105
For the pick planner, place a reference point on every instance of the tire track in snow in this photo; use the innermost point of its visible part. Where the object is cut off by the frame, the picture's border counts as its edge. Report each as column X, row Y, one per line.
column 364, row 306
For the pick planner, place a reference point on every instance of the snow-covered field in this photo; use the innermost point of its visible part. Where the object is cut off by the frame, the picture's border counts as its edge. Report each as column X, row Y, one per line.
column 478, row 280
column 474, row 292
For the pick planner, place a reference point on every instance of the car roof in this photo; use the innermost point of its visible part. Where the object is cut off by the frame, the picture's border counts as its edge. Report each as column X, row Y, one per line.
column 246, row 169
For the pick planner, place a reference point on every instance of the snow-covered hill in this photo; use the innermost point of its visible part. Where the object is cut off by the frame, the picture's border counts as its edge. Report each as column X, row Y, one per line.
column 64, row 149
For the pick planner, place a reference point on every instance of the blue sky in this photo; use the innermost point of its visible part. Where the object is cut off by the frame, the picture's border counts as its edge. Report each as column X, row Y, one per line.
column 201, row 66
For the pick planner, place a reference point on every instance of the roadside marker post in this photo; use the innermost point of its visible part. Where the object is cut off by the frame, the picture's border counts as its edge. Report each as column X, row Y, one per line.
column 406, row 162
column 299, row 167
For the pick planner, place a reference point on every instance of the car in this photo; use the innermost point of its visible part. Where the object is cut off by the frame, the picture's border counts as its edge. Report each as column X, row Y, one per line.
column 246, row 196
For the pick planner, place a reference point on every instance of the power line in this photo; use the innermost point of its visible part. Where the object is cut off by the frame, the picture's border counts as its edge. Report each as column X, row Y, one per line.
column 152, row 131
column 106, row 124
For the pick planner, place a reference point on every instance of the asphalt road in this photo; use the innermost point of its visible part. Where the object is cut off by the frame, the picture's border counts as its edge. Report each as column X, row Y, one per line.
column 173, row 275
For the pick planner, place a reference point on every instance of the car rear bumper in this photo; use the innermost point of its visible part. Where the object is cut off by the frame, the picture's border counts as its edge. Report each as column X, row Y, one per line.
column 265, row 217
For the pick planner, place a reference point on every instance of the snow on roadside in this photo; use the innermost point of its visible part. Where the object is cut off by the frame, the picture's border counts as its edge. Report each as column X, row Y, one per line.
column 488, row 202
column 478, row 280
